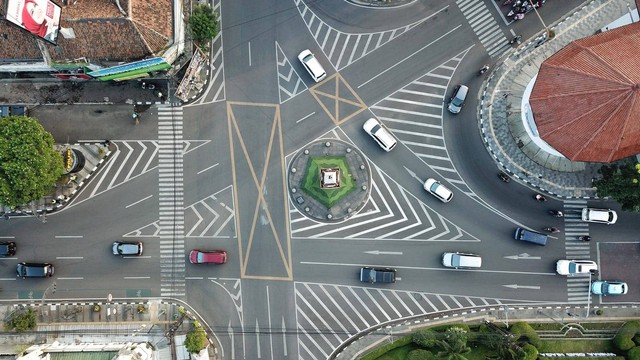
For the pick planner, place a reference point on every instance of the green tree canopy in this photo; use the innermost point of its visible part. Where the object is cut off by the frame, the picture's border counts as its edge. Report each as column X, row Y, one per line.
column 29, row 166
column 203, row 23
column 196, row 339
column 621, row 181
column 22, row 320
column 454, row 345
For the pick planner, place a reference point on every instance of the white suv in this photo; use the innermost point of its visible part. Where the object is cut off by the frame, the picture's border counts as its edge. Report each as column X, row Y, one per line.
column 380, row 134
column 312, row 65
column 438, row 190
column 573, row 267
column 602, row 216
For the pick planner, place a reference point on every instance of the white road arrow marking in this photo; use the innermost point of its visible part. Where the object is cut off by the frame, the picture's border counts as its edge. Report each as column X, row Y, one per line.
column 413, row 175
column 233, row 348
column 378, row 252
column 516, row 286
column 523, row 256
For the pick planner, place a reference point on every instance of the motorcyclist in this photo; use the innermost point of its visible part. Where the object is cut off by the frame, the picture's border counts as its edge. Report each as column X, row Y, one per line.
column 540, row 197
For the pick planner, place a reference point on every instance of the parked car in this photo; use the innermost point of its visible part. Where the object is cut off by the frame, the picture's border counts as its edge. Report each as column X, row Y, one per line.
column 34, row 270
column 123, row 248
column 312, row 65
column 602, row 216
column 609, row 287
column 7, row 248
column 573, row 267
column 460, row 260
column 380, row 134
column 377, row 275
column 438, row 190
column 208, row 257
column 457, row 99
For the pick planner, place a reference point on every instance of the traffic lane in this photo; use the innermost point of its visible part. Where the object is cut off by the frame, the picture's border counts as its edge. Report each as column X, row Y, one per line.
column 501, row 272
column 410, row 172
column 206, row 122
column 207, row 169
column 618, row 261
column 625, row 229
column 350, row 18
column 550, row 12
column 409, row 57
column 212, row 271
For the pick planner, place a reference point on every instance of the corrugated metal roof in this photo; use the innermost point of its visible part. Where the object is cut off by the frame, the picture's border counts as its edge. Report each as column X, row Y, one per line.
column 586, row 99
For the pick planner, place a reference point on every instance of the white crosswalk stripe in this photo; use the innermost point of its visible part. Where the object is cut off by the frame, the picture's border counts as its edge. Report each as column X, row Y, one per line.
column 171, row 199
column 327, row 315
column 575, row 249
column 485, row 26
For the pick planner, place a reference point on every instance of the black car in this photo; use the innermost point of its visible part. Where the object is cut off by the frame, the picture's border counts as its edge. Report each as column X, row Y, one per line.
column 377, row 275
column 34, row 270
column 7, row 248
column 123, row 248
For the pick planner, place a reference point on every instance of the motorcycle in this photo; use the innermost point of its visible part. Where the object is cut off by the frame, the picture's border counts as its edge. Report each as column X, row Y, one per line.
column 556, row 213
column 552, row 229
column 584, row 238
column 504, row 177
column 540, row 198
column 484, row 69
column 517, row 17
column 517, row 39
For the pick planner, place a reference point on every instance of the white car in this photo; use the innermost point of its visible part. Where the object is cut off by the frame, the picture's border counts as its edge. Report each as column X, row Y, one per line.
column 380, row 134
column 312, row 65
column 573, row 267
column 609, row 288
column 602, row 216
column 438, row 190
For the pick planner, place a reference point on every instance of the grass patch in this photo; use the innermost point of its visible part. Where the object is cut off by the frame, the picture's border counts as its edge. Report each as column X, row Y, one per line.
column 311, row 181
column 399, row 353
column 573, row 345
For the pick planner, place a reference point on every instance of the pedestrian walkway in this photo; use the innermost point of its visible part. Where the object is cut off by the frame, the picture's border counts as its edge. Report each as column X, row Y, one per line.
column 500, row 116
column 171, row 193
column 484, row 26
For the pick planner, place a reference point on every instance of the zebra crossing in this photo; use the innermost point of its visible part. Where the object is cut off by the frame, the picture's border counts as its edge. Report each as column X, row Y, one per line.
column 414, row 114
column 171, row 199
column 577, row 286
column 485, row 26
column 327, row 315
column 343, row 49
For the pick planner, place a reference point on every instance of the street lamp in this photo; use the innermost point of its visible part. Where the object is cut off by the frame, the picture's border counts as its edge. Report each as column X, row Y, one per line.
column 550, row 34
column 51, row 287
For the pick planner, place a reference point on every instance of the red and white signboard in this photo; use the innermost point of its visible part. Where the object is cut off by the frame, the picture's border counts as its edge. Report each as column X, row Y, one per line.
column 39, row 17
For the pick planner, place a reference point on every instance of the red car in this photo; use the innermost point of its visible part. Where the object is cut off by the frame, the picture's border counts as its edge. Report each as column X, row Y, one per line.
column 208, row 257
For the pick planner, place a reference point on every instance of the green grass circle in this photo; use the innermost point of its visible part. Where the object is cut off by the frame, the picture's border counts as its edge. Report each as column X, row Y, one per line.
column 311, row 181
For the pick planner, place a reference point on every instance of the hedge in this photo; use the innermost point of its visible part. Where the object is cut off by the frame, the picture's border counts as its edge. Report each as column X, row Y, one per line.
column 531, row 353
column 521, row 329
column 376, row 353
column 624, row 337
column 425, row 337
column 421, row 354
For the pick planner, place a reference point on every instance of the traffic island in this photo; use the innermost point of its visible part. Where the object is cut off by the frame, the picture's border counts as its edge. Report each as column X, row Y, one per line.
column 329, row 180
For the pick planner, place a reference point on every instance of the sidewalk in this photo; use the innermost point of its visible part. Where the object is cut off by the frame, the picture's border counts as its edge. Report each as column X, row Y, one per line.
column 569, row 316
column 500, row 117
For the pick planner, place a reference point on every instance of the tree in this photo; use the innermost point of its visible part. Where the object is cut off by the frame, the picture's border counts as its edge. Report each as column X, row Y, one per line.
column 621, row 181
column 196, row 339
column 29, row 166
column 203, row 23
column 22, row 320
column 454, row 344
column 425, row 337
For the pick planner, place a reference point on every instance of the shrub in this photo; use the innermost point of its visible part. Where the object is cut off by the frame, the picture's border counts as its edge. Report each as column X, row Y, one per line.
column 22, row 320
column 623, row 339
column 195, row 340
column 634, row 354
column 421, row 354
column 443, row 328
column 523, row 330
column 531, row 352
column 425, row 337
column 378, row 352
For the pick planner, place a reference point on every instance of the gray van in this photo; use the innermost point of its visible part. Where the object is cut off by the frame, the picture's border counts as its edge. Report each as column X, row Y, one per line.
column 531, row 236
column 457, row 99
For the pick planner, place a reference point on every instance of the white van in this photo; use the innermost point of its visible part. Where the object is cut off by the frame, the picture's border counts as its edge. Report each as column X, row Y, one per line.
column 460, row 260
column 380, row 134
column 312, row 65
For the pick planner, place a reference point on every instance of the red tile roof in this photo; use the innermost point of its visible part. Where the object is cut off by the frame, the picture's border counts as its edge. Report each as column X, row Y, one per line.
column 586, row 99
column 103, row 32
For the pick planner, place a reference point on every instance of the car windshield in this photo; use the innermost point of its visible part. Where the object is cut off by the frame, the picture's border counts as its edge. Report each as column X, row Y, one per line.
column 456, row 101
column 573, row 267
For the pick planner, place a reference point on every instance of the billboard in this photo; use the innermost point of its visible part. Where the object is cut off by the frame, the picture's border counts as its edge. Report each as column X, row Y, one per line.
column 39, row 17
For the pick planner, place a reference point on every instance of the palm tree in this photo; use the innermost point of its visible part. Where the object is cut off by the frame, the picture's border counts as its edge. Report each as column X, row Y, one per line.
column 454, row 345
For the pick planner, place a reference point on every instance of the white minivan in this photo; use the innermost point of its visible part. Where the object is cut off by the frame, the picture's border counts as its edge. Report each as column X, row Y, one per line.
column 380, row 134
column 312, row 65
column 460, row 260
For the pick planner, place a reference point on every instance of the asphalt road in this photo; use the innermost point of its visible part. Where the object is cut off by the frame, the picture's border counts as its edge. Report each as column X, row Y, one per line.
column 290, row 288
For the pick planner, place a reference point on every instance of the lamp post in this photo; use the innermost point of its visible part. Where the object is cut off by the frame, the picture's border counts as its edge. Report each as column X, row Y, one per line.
column 550, row 34
column 51, row 287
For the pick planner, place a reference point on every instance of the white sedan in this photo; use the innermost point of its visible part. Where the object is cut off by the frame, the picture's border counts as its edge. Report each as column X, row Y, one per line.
column 573, row 267
column 438, row 190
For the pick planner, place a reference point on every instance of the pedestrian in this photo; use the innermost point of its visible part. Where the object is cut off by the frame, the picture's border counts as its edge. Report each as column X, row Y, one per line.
column 505, row 95
column 135, row 118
